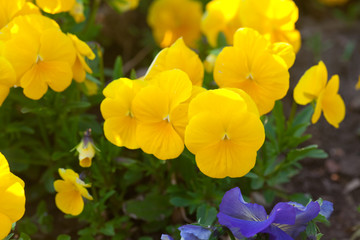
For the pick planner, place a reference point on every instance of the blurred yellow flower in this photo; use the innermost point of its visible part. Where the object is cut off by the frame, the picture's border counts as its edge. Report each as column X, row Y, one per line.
column 44, row 59
column 181, row 57
column 77, row 12
column 312, row 86
column 7, row 78
column 80, row 67
column 9, row 9
column 221, row 16
column 162, row 114
column 118, row 111
column 333, row 2
column 209, row 63
column 86, row 150
column 255, row 67
column 357, row 87
column 172, row 19
column 70, row 192
column 224, row 132
column 275, row 19
column 12, row 200
column 124, row 5
column 55, row 6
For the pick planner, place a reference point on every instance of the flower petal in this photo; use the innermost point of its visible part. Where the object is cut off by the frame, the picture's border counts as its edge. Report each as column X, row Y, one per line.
column 160, row 139
column 121, row 131
column 70, row 202
column 193, row 232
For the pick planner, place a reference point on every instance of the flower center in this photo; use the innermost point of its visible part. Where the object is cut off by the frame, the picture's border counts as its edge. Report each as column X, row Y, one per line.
column 130, row 114
column 167, row 118
column 250, row 76
column 38, row 58
column 225, row 137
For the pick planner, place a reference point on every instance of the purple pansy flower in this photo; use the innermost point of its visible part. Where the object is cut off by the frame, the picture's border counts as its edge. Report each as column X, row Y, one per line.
column 285, row 221
column 194, row 232
column 166, row 237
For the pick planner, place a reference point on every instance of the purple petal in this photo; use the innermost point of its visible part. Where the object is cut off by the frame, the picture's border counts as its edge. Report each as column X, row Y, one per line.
column 234, row 205
column 326, row 209
column 166, row 237
column 193, row 232
column 284, row 213
column 276, row 233
column 303, row 216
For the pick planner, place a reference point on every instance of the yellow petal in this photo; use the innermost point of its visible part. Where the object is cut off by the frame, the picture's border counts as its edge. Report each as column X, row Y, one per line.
column 179, row 118
column 55, row 6
column 117, row 107
column 28, row 8
column 121, row 131
column 225, row 159
column 56, row 46
column 78, row 70
column 34, row 84
column 8, row 10
column 357, row 87
column 151, row 104
column 178, row 56
column 176, row 84
column 82, row 47
column 311, row 84
column 57, row 74
column 159, row 139
column 222, row 101
column 12, row 201
column 251, row 105
column 5, row 225
column 4, row 165
column 285, row 51
column 250, row 40
column 332, row 103
column 318, row 108
column 70, row 202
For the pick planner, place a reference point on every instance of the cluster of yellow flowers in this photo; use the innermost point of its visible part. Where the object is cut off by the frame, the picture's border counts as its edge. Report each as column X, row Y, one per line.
column 12, row 200
column 274, row 19
column 35, row 54
column 168, row 108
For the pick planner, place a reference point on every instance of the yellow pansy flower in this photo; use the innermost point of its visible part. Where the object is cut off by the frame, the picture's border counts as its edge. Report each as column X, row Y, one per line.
column 181, row 57
column 55, row 6
column 224, row 133
column 86, row 150
column 221, row 16
column 172, row 19
column 44, row 59
column 275, row 19
column 118, row 111
column 13, row 8
column 77, row 12
column 7, row 78
column 12, row 200
column 80, row 67
column 162, row 114
column 255, row 67
column 312, row 86
column 70, row 192
column 124, row 5
column 357, row 87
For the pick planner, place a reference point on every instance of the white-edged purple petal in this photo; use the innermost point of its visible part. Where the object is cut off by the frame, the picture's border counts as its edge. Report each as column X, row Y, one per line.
column 326, row 209
column 233, row 205
column 194, row 232
column 166, row 237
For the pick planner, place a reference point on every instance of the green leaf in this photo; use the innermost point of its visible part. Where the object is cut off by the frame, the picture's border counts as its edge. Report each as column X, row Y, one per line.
column 118, row 68
column 221, row 40
column 257, row 183
column 206, row 215
column 153, row 208
column 310, row 151
column 133, row 74
column 9, row 236
column 24, row 236
column 302, row 120
column 108, row 229
column 63, row 237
